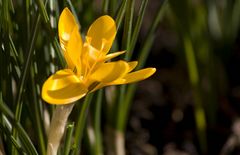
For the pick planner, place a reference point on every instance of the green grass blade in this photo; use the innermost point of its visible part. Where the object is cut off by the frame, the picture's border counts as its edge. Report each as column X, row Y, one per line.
column 112, row 7
column 142, row 59
column 199, row 112
column 151, row 35
column 14, row 52
column 81, row 122
column 105, row 6
column 12, row 140
column 24, row 76
column 97, row 123
column 41, row 136
column 120, row 14
column 26, row 141
column 73, row 11
column 137, row 27
column 235, row 17
column 6, row 129
column 54, row 40
column 127, row 31
column 68, row 139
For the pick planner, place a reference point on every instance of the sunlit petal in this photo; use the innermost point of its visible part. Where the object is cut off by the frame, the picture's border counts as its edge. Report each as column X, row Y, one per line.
column 135, row 76
column 87, row 69
column 74, row 49
column 63, row 88
column 132, row 65
column 102, row 32
column 90, row 56
column 66, row 25
column 111, row 71
column 112, row 55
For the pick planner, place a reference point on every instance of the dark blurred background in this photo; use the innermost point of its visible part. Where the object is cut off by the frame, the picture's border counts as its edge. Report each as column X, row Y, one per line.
column 163, row 117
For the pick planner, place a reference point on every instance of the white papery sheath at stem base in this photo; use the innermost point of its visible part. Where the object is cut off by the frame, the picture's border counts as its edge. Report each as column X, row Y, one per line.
column 57, row 127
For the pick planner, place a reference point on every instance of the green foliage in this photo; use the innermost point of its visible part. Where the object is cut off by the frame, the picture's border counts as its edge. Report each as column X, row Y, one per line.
column 30, row 52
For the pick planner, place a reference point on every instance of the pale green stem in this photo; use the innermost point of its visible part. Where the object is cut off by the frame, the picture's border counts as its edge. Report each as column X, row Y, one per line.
column 194, row 80
column 57, row 127
column 119, row 143
column 116, row 140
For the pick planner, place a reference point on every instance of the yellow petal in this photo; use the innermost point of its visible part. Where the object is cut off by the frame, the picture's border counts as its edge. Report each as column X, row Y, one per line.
column 112, row 55
column 63, row 88
column 102, row 32
column 111, row 71
column 66, row 25
column 135, row 76
column 90, row 56
column 132, row 65
column 74, row 49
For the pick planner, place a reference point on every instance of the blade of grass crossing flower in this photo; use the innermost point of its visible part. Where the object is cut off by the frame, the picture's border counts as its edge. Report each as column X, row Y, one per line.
column 122, row 114
column 24, row 76
column 127, row 32
column 120, row 13
column 68, row 139
column 38, row 122
column 137, row 27
column 142, row 59
column 81, row 121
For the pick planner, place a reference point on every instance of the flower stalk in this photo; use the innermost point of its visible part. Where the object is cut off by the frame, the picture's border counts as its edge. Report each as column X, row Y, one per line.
column 57, row 127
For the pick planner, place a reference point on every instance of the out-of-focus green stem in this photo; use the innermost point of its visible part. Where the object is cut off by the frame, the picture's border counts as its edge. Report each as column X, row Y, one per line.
column 97, row 123
column 26, row 141
column 38, row 121
column 235, row 18
column 24, row 76
column 120, row 13
column 194, row 80
column 68, row 139
column 151, row 35
column 94, row 134
column 137, row 27
column 74, row 12
column 81, row 124
column 55, row 42
column 119, row 142
column 127, row 32
column 105, row 6
column 112, row 6
column 7, row 132
column 142, row 59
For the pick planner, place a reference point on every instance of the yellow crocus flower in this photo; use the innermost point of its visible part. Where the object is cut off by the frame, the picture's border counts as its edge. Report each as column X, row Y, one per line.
column 87, row 69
